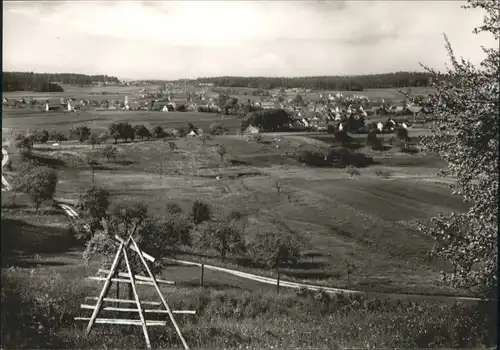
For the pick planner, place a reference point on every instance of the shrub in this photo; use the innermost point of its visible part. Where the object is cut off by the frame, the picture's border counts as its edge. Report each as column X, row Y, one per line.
column 142, row 132
column 351, row 170
column 344, row 156
column 110, row 152
column 372, row 140
column 383, row 173
column 58, row 137
column 218, row 129
column 343, row 138
column 401, row 133
column 23, row 142
column 83, row 133
column 158, row 132
column 41, row 136
column 410, row 149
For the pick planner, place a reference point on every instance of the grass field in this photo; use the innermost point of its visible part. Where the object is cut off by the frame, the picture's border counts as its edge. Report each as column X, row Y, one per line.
column 83, row 92
column 20, row 120
column 366, row 220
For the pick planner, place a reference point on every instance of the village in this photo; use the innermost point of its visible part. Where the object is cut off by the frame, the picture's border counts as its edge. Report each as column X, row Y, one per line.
column 309, row 112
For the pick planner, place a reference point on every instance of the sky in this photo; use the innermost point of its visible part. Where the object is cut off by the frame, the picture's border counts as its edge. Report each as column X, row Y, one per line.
column 188, row 39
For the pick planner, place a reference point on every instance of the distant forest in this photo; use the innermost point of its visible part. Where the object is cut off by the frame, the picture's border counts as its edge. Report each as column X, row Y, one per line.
column 48, row 82
column 341, row 83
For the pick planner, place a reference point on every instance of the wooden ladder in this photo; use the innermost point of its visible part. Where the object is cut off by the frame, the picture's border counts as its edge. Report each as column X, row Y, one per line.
column 114, row 275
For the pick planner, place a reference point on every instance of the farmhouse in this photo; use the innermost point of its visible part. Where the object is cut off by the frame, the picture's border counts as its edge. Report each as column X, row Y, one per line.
column 192, row 133
column 52, row 106
column 250, row 130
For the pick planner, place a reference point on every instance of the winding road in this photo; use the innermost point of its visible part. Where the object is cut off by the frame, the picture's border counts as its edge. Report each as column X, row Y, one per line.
column 72, row 215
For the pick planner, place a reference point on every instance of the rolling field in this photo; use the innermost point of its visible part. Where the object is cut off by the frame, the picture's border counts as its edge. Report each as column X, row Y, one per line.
column 77, row 92
column 20, row 120
column 368, row 220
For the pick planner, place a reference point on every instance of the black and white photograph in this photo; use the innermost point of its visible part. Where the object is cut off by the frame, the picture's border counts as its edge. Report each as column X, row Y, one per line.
column 254, row 174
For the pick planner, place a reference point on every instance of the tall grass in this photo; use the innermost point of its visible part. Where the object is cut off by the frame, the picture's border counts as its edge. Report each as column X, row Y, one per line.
column 38, row 308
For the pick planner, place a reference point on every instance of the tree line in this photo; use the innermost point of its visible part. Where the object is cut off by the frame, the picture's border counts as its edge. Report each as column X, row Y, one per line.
column 48, row 82
column 341, row 83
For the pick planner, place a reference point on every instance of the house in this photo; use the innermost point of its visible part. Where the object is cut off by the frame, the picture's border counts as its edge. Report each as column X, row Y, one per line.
column 305, row 122
column 52, row 106
column 380, row 126
column 374, row 110
column 165, row 108
column 399, row 109
column 192, row 133
column 414, row 109
column 133, row 106
column 5, row 101
column 267, row 104
column 405, row 126
column 251, row 130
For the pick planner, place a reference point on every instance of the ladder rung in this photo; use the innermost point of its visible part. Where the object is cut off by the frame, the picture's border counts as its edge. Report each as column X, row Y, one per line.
column 142, row 278
column 123, row 309
column 122, row 321
column 125, row 301
column 119, row 280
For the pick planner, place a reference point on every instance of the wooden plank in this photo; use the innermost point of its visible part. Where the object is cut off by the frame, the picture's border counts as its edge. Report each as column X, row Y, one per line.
column 122, row 321
column 150, row 311
column 137, row 277
column 145, row 255
column 136, row 297
column 126, row 301
column 106, row 286
column 161, row 295
column 121, row 280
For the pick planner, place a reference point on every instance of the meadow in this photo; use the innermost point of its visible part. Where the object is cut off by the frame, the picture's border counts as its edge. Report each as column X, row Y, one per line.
column 21, row 120
column 367, row 221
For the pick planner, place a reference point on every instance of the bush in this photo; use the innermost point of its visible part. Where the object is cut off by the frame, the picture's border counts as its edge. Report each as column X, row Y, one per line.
column 401, row 133
column 218, row 129
column 342, row 157
column 372, row 139
column 110, row 152
column 410, row 149
column 352, row 171
column 158, row 132
column 142, row 132
column 58, row 137
column 343, row 138
column 23, row 142
column 41, row 136
column 383, row 173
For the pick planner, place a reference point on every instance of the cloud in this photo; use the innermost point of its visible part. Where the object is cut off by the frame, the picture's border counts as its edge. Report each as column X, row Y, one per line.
column 169, row 39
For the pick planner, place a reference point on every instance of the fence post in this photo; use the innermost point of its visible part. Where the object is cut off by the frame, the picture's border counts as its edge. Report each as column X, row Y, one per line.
column 202, row 273
column 278, row 282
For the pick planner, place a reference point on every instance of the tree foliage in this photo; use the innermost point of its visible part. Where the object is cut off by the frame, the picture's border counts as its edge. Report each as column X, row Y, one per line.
column 93, row 205
column 467, row 102
column 110, row 152
column 83, row 133
column 223, row 236
column 39, row 183
column 270, row 249
column 200, row 212
column 267, row 120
